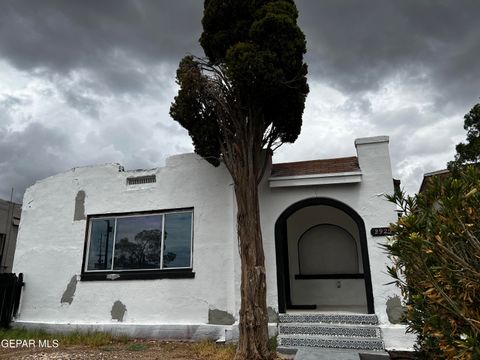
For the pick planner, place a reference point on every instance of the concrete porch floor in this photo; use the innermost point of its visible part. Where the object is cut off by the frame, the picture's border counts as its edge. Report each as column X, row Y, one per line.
column 335, row 309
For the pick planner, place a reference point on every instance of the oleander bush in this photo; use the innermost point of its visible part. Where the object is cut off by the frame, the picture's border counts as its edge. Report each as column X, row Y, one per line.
column 436, row 263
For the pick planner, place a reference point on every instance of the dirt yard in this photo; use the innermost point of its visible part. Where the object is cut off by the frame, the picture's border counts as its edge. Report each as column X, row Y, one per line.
column 131, row 350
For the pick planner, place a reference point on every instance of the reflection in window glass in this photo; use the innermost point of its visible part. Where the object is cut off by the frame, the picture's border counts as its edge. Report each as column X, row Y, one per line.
column 101, row 244
column 177, row 246
column 137, row 244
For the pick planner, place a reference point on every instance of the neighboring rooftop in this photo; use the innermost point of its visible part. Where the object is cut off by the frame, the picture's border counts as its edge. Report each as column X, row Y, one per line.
column 7, row 206
column 326, row 166
column 427, row 178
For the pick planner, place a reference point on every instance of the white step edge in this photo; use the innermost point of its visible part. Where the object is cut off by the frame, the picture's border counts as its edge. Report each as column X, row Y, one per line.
column 334, row 330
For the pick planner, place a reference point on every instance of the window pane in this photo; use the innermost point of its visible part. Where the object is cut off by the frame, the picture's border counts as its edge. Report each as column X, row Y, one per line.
column 177, row 247
column 137, row 244
column 101, row 244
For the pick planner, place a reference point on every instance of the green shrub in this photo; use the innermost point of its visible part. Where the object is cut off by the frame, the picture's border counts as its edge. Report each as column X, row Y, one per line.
column 272, row 344
column 436, row 263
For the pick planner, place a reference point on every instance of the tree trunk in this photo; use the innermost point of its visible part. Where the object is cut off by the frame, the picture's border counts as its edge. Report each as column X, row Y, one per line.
column 253, row 325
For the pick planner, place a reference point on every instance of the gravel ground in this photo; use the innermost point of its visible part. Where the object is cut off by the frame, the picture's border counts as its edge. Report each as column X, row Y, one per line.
column 157, row 350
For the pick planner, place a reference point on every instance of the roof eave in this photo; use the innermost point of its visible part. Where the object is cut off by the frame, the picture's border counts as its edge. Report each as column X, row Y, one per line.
column 316, row 179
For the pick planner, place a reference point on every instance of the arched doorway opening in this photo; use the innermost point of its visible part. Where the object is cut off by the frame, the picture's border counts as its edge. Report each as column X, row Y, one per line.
column 322, row 258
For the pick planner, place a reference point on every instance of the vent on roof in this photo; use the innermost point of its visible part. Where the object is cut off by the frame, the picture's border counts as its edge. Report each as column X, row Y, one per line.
column 138, row 180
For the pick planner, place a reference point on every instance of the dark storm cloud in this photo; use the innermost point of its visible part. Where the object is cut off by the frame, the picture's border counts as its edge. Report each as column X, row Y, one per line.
column 356, row 45
column 101, row 36
column 28, row 155
column 95, row 54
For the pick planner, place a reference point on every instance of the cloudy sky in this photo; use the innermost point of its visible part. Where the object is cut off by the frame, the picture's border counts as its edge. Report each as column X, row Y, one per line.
column 89, row 82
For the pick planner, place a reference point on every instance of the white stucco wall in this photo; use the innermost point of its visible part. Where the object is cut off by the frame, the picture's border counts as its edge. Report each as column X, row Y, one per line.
column 374, row 160
column 51, row 245
column 367, row 199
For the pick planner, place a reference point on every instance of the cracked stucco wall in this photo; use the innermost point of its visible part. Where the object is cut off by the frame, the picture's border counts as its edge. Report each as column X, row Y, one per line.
column 52, row 237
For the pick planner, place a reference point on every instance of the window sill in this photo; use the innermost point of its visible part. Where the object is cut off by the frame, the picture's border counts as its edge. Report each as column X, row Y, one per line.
column 138, row 275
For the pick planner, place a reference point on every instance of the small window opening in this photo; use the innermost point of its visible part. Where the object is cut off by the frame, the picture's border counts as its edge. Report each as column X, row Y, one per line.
column 138, row 180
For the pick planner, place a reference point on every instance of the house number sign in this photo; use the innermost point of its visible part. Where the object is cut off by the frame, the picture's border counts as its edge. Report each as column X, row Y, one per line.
column 381, row 231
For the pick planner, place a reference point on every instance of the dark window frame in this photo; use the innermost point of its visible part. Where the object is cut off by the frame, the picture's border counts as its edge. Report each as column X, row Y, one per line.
column 135, row 274
column 3, row 242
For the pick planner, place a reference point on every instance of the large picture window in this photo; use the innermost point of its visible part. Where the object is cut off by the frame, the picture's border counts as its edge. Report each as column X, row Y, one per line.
column 152, row 245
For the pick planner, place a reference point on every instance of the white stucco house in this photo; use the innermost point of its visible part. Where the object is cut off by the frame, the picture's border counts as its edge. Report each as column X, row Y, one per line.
column 154, row 252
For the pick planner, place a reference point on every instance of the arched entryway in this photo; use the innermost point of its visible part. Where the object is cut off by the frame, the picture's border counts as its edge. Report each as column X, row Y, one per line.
column 322, row 257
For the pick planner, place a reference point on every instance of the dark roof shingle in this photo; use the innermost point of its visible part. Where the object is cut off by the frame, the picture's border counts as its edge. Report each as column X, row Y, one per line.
column 326, row 166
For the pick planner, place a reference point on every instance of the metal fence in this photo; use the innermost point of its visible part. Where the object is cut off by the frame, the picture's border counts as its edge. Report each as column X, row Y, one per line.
column 10, row 292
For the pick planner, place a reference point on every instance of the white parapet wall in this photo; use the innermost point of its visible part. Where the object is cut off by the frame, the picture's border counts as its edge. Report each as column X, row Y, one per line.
column 52, row 240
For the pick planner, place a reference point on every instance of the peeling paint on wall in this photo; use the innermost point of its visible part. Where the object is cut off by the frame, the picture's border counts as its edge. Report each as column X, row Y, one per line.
column 220, row 317
column 69, row 292
column 79, row 213
column 395, row 310
column 118, row 311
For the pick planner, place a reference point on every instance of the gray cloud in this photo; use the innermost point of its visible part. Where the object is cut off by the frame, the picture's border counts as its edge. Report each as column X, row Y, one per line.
column 65, row 35
column 356, row 104
column 115, row 40
column 82, row 103
column 356, row 45
column 110, row 68
column 11, row 102
column 29, row 155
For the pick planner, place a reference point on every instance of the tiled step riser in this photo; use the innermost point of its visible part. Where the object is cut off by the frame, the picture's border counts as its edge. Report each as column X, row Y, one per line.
column 357, row 344
column 353, row 331
column 332, row 331
column 366, row 319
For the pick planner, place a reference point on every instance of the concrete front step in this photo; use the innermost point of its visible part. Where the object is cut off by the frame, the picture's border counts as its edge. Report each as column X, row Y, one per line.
column 322, row 329
column 336, row 354
column 360, row 319
column 329, row 331
column 299, row 341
